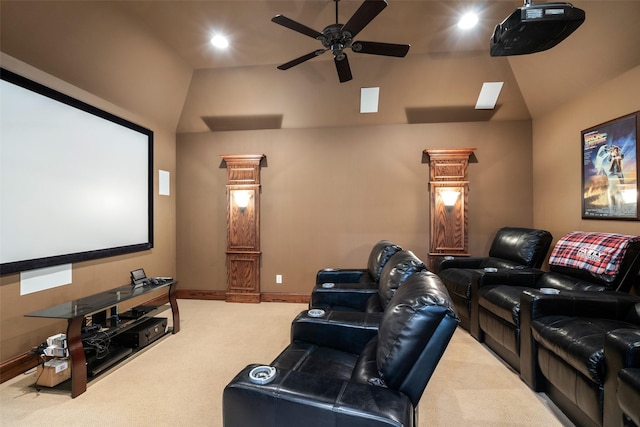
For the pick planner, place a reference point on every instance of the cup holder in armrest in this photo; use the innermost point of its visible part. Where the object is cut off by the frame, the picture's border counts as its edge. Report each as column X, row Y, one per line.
column 262, row 374
column 328, row 285
column 316, row 312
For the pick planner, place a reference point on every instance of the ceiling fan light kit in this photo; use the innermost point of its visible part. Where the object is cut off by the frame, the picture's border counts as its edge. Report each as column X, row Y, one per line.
column 338, row 37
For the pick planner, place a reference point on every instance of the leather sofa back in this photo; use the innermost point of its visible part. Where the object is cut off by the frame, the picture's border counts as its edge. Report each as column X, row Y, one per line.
column 414, row 332
column 380, row 254
column 523, row 246
column 623, row 280
column 399, row 267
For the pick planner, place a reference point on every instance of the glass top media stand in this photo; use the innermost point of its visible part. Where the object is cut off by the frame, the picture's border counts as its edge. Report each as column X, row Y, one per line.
column 76, row 311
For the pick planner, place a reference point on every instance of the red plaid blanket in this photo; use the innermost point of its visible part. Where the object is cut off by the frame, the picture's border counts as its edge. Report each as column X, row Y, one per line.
column 598, row 253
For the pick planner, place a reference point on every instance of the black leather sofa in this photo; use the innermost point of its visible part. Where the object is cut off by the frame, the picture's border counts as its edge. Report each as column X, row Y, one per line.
column 332, row 375
column 346, row 297
column 511, row 248
column 496, row 296
column 362, row 277
column 563, row 350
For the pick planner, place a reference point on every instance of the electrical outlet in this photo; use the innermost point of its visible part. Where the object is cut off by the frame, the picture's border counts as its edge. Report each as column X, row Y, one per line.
column 279, row 278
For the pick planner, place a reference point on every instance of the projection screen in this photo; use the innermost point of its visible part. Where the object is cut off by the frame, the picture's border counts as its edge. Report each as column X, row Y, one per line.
column 76, row 182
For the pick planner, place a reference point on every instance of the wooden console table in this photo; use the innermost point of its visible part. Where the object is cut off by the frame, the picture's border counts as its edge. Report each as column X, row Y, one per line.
column 76, row 311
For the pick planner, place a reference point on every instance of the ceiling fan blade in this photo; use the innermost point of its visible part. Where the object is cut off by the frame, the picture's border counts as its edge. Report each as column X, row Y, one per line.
column 344, row 71
column 376, row 48
column 296, row 26
column 301, row 59
column 365, row 14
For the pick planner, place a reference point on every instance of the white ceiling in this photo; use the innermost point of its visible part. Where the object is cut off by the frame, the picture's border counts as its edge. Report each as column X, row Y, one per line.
column 604, row 46
column 449, row 65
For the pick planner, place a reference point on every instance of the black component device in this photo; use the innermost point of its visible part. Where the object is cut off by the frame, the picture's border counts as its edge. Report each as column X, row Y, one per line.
column 137, row 312
column 534, row 28
column 143, row 334
column 97, row 365
column 138, row 277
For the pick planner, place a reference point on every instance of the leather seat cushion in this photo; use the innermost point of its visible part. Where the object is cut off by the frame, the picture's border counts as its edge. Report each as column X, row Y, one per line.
column 576, row 340
column 502, row 301
column 629, row 393
column 318, row 361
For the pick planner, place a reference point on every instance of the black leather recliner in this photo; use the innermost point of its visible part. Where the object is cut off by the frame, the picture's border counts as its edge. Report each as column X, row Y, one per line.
column 512, row 248
column 563, row 350
column 363, row 277
column 345, row 297
column 496, row 297
column 351, row 376
column 622, row 345
column 629, row 396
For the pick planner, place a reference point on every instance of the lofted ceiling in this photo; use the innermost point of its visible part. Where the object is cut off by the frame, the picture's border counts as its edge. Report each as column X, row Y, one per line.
column 438, row 81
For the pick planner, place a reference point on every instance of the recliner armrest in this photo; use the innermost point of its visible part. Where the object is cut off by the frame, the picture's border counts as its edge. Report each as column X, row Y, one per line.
column 349, row 295
column 342, row 330
column 293, row 397
column 513, row 277
column 608, row 305
column 344, row 275
column 459, row 262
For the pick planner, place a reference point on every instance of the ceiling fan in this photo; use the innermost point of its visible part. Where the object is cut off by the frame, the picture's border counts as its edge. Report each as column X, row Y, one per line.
column 337, row 37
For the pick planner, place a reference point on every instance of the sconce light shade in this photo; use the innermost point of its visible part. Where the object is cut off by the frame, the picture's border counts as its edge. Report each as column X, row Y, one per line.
column 242, row 197
column 449, row 197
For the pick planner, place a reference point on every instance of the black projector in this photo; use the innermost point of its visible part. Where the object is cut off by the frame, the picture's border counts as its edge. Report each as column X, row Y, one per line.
column 534, row 28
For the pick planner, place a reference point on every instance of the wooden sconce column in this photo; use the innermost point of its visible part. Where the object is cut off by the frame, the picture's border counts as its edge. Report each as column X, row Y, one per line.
column 448, row 188
column 243, row 227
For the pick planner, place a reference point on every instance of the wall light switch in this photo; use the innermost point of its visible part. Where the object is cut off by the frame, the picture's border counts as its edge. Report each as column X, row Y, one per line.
column 278, row 278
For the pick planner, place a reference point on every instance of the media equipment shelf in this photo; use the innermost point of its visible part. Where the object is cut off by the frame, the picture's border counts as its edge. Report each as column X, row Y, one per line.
column 77, row 310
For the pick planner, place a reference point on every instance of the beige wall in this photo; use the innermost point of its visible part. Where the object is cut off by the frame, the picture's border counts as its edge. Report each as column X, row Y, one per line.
column 96, row 53
column 557, row 153
column 329, row 194
column 19, row 334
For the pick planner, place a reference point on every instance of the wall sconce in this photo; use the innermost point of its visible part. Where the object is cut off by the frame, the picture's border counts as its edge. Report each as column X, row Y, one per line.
column 448, row 202
column 243, row 227
column 242, row 197
column 449, row 197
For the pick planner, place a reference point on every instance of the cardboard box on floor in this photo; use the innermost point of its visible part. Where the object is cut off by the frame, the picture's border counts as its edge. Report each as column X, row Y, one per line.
column 53, row 372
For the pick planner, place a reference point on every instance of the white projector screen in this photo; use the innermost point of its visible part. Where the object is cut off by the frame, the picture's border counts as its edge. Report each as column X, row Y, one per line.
column 76, row 182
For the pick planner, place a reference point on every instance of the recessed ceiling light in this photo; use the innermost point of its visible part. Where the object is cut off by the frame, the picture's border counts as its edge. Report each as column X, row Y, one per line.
column 219, row 41
column 468, row 20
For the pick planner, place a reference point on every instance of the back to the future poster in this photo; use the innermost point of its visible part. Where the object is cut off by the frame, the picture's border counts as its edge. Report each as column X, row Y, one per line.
column 609, row 169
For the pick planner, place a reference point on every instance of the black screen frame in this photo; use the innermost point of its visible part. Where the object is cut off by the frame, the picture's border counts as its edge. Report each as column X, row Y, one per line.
column 50, row 261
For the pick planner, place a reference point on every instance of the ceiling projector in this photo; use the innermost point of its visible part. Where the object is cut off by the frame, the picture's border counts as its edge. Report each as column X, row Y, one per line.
column 534, row 28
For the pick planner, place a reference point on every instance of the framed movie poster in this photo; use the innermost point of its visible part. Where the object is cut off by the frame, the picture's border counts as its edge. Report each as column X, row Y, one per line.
column 610, row 169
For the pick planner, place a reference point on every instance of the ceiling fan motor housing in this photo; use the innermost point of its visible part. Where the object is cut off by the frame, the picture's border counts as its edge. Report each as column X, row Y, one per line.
column 338, row 37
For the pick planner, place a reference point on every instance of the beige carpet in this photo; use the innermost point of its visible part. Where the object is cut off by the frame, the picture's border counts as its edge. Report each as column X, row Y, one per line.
column 179, row 381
